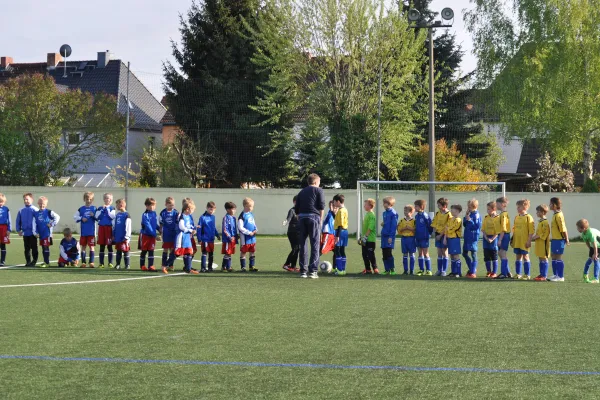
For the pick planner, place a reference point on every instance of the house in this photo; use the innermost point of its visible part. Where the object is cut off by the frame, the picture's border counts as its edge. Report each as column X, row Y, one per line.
column 102, row 75
column 169, row 126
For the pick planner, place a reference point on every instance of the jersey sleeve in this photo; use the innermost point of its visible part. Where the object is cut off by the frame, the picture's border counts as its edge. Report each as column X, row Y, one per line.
column 241, row 227
column 55, row 218
column 77, row 216
column 9, row 219
column 545, row 230
column 530, row 225
column 18, row 221
column 128, row 228
column 34, row 225
column 562, row 227
column 63, row 253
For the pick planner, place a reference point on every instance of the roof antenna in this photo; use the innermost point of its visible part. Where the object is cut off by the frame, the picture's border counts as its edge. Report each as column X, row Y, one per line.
column 65, row 51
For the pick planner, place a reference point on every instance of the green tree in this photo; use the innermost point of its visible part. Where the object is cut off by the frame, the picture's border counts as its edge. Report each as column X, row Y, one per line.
column 52, row 134
column 541, row 65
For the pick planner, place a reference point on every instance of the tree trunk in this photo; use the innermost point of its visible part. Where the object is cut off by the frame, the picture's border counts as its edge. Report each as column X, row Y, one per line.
column 588, row 161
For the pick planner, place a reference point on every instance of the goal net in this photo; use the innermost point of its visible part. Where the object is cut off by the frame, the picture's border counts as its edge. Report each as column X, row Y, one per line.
column 406, row 192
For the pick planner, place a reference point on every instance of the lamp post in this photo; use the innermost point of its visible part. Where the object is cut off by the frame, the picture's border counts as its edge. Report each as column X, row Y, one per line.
column 416, row 22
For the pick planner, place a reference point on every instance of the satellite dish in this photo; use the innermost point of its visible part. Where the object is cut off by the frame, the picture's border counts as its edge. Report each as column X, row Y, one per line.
column 65, row 50
column 414, row 15
column 447, row 14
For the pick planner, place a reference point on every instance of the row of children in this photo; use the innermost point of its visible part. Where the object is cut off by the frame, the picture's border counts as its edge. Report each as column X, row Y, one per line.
column 494, row 229
column 175, row 229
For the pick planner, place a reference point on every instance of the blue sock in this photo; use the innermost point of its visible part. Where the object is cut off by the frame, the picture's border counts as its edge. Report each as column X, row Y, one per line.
column 341, row 265
column 412, row 263
column 143, row 259
column 554, row 269
column 391, row 260
column 204, row 258
column 440, row 264
column 560, row 268
column 172, row 258
column 458, row 267
column 101, row 257
column 405, row 263
column 150, row 258
column 91, row 256
column 252, row 260
column 83, row 257
column 422, row 263
column 127, row 258
column 518, row 267
column 596, row 269
column 586, row 268
column 445, row 264
column 110, row 254
column 527, row 267
column 474, row 267
column 243, row 263
column 164, row 259
column 46, row 254
column 3, row 255
column 544, row 268
column 495, row 266
column 488, row 266
column 504, row 270
column 428, row 263
column 453, row 269
column 468, row 260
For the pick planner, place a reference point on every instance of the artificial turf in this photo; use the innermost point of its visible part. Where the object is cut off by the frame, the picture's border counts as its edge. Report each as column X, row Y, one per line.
column 274, row 317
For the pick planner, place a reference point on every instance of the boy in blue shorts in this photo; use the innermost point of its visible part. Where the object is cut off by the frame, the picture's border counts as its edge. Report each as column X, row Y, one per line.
column 423, row 230
column 340, row 225
column 591, row 237
column 472, row 224
column 439, row 225
column 452, row 235
column 207, row 232
column 491, row 230
column 406, row 230
column 560, row 239
column 388, row 234
column 523, row 231
column 503, row 237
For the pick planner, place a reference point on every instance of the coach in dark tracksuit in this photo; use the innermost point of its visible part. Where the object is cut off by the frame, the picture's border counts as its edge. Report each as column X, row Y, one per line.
column 293, row 234
column 309, row 207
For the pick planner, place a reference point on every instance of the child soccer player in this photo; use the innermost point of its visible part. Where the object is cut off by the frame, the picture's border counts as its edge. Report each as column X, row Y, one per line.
column 193, row 239
column 591, row 237
column 5, row 228
column 207, row 232
column 25, row 229
column 542, row 241
column 389, row 225
column 168, row 228
column 229, row 234
column 86, row 216
column 452, row 235
column 44, row 221
column 406, row 229
column 328, row 235
column 503, row 237
column 247, row 229
column 472, row 224
column 439, row 225
column 340, row 225
column 105, row 216
column 423, row 229
column 122, row 233
column 69, row 250
column 522, row 234
column 560, row 238
column 369, row 237
column 149, row 234
column 186, row 229
column 491, row 230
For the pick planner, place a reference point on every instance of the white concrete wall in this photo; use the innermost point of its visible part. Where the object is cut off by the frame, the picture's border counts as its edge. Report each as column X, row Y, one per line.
column 271, row 206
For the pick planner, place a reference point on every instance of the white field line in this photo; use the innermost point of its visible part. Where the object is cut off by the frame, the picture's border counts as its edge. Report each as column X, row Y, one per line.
column 94, row 281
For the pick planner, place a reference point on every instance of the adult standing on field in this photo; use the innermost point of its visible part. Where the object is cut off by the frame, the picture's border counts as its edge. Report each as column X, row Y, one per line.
column 309, row 208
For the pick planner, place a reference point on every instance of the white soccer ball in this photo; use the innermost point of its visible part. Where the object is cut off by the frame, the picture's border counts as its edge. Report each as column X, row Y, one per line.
column 325, row 267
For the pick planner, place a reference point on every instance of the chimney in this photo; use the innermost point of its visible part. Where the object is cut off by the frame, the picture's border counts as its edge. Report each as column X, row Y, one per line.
column 103, row 59
column 5, row 61
column 53, row 59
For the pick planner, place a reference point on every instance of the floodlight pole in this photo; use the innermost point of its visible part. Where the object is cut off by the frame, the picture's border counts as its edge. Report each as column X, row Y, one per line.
column 378, row 146
column 127, row 138
column 431, row 124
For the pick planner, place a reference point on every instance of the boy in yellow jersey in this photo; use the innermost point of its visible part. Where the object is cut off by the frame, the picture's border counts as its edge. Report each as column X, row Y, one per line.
column 340, row 226
column 503, row 237
column 542, row 241
column 452, row 235
column 523, row 231
column 491, row 230
column 406, row 229
column 560, row 238
column 439, row 225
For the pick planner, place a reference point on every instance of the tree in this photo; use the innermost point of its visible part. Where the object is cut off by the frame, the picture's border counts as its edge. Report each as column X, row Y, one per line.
column 49, row 134
column 201, row 163
column 552, row 177
column 212, row 89
column 327, row 56
column 541, row 66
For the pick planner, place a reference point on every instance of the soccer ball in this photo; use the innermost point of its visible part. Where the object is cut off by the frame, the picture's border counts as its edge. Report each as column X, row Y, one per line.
column 325, row 267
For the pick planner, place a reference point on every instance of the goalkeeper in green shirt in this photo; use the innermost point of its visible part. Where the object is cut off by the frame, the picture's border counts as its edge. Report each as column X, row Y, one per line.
column 368, row 238
column 591, row 237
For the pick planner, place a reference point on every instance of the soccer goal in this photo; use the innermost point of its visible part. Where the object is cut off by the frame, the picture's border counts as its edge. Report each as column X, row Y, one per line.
column 406, row 192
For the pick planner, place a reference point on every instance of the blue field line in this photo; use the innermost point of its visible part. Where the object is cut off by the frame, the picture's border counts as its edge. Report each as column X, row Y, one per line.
column 308, row 365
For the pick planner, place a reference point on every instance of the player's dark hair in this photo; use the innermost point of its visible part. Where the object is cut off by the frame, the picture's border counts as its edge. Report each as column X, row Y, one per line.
column 312, row 178
column 457, row 207
column 295, row 198
column 492, row 205
column 542, row 208
column 210, row 204
column 442, row 201
column 149, row 202
column 555, row 201
column 502, row 200
column 28, row 195
column 339, row 197
column 420, row 203
column 230, row 205
column 67, row 232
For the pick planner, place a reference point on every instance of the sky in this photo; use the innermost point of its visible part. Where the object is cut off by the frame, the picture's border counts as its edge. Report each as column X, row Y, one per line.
column 138, row 31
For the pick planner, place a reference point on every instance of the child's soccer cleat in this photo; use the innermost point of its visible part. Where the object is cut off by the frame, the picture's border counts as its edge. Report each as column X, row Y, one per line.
column 393, row 272
column 193, row 271
column 428, row 273
column 488, row 274
column 143, row 268
column 556, row 279
column 313, row 275
column 457, row 275
column 164, row 271
column 304, row 275
column 594, row 281
column 450, row 275
column 101, row 266
column 297, row 269
column 170, row 269
column 375, row 271
column 509, row 275
column 366, row 272
column 152, row 269
column 340, row 273
column 253, row 269
column 405, row 273
column 539, row 278
column 243, row 269
column 288, row 268
column 127, row 267
column 420, row 273
column 526, row 277
column 517, row 277
column 203, row 270
column 471, row 276
column 586, row 277
column 83, row 265
column 117, row 266
column 110, row 265
column 439, row 273
column 91, row 265
column 383, row 273
column 43, row 265
column 551, row 277
column 501, row 276
column 493, row 275
column 2, row 264
column 443, row 274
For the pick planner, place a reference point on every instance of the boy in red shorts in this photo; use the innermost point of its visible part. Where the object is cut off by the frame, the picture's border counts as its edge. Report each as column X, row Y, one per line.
column 5, row 228
column 122, row 233
column 69, row 250
column 149, row 234
column 229, row 230
column 105, row 216
column 168, row 220
column 86, row 216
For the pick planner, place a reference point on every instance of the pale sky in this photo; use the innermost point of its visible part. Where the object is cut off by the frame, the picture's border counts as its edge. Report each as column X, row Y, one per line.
column 138, row 31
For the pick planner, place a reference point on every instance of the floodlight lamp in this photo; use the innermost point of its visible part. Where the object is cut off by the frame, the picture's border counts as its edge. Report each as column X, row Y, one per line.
column 414, row 15
column 447, row 14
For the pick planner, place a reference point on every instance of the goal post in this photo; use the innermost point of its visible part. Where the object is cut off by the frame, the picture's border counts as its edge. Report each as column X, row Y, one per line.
column 406, row 192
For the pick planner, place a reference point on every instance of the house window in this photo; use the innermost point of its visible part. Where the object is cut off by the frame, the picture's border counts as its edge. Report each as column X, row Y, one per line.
column 73, row 138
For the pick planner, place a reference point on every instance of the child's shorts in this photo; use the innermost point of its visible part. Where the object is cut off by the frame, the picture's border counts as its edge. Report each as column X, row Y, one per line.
column 47, row 242
column 87, row 241
column 184, row 251
column 207, row 247
column 228, row 248
column 122, row 246
column 440, row 243
column 327, row 243
column 194, row 247
column 343, row 242
column 147, row 243
column 503, row 245
column 454, row 246
column 4, row 239
column 542, row 250
column 470, row 246
column 591, row 252
column 105, row 235
column 248, row 248
column 168, row 245
column 385, row 242
column 422, row 243
column 490, row 246
column 522, row 252
column 557, row 246
column 409, row 244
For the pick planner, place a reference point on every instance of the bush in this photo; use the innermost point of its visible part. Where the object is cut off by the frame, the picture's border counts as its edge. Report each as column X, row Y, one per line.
column 590, row 186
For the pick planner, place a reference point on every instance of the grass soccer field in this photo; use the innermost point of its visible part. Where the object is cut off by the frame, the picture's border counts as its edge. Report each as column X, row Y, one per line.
column 272, row 335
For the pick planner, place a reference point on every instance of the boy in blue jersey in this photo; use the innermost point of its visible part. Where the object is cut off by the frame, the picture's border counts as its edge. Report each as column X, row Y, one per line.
column 230, row 233
column 185, row 235
column 105, row 216
column 247, row 229
column 327, row 233
column 69, row 250
column 472, row 224
column 388, row 234
column 86, row 216
column 423, row 230
column 167, row 220
column 439, row 222
column 207, row 232
column 149, row 234
column 25, row 228
column 5, row 228
column 122, row 233
column 451, row 240
column 44, row 220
